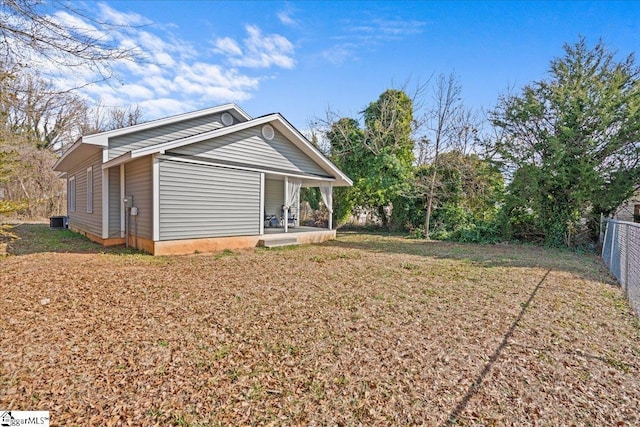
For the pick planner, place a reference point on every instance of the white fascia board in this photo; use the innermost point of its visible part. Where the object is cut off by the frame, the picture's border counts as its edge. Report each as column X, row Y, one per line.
column 78, row 147
column 254, row 169
column 103, row 137
column 281, row 124
column 158, row 148
column 67, row 152
column 123, row 158
column 311, row 151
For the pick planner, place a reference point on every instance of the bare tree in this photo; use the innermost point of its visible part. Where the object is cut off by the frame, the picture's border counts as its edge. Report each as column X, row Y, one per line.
column 465, row 137
column 123, row 117
column 32, row 107
column 62, row 34
column 446, row 108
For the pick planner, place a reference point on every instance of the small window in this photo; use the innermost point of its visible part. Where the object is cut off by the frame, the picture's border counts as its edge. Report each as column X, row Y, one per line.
column 71, row 194
column 90, row 190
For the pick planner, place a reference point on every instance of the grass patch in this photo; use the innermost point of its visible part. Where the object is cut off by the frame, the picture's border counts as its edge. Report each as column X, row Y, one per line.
column 364, row 330
column 24, row 239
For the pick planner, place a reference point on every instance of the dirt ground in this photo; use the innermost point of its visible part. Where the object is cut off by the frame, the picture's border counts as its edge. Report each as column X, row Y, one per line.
column 364, row 330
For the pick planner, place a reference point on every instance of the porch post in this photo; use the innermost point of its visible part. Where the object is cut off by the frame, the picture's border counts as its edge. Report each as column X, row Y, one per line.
column 285, row 211
column 262, row 213
column 123, row 211
column 331, row 209
column 105, row 203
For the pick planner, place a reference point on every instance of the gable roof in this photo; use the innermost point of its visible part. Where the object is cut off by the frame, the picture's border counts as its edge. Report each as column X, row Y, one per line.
column 102, row 138
column 99, row 141
column 90, row 143
column 276, row 120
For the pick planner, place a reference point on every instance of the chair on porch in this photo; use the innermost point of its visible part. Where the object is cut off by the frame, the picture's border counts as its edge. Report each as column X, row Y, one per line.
column 291, row 218
column 271, row 220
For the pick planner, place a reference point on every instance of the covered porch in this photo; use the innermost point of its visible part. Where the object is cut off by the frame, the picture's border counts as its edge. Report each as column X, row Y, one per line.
column 281, row 203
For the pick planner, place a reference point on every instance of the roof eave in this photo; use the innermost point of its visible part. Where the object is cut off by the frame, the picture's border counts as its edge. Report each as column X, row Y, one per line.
column 103, row 137
column 65, row 162
column 281, row 124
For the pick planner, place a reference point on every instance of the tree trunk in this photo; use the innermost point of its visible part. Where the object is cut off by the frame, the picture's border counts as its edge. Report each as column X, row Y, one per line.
column 427, row 220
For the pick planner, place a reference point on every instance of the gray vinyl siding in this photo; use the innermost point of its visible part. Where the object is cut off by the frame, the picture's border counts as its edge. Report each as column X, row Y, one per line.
column 121, row 144
column 273, row 196
column 250, row 148
column 115, row 201
column 80, row 219
column 199, row 201
column 139, row 184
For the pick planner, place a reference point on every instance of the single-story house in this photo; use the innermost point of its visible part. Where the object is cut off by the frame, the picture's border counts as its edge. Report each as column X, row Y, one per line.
column 201, row 181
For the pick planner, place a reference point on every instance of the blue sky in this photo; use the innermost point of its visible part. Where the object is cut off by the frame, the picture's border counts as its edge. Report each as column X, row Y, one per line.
column 301, row 58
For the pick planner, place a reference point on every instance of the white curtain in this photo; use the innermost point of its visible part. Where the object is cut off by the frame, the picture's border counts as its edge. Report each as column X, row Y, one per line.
column 293, row 189
column 326, row 190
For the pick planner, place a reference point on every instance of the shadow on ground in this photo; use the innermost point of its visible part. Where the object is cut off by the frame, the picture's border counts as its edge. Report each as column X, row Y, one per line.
column 24, row 239
column 588, row 265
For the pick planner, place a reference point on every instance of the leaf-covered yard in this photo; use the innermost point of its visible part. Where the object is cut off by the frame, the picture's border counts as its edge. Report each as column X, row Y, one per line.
column 364, row 330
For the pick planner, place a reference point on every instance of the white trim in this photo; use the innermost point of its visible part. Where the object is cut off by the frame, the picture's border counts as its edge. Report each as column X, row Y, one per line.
column 89, row 179
column 331, row 211
column 145, row 151
column 105, row 155
column 261, row 203
column 102, row 138
column 71, row 196
column 251, row 169
column 122, row 208
column 105, row 203
column 68, row 152
column 298, row 208
column 226, row 119
column 124, row 158
column 274, row 119
column 267, row 132
column 156, row 198
column 285, row 211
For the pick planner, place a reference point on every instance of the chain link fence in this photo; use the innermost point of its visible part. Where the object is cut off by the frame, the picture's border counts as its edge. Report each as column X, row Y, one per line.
column 621, row 253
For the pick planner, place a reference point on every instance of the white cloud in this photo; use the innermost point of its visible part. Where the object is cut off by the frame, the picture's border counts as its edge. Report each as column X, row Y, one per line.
column 136, row 91
column 213, row 82
column 286, row 18
column 259, row 51
column 340, row 53
column 163, row 107
column 228, row 46
column 369, row 35
column 108, row 14
column 385, row 29
column 76, row 23
column 162, row 86
column 175, row 76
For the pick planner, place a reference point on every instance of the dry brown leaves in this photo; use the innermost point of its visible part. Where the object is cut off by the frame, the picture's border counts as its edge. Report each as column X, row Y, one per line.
column 365, row 330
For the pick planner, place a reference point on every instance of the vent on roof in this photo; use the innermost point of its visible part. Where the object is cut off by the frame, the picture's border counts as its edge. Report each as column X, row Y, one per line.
column 268, row 132
column 227, row 119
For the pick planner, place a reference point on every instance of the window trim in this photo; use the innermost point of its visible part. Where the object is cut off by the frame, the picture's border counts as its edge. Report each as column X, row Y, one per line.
column 90, row 189
column 71, row 193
